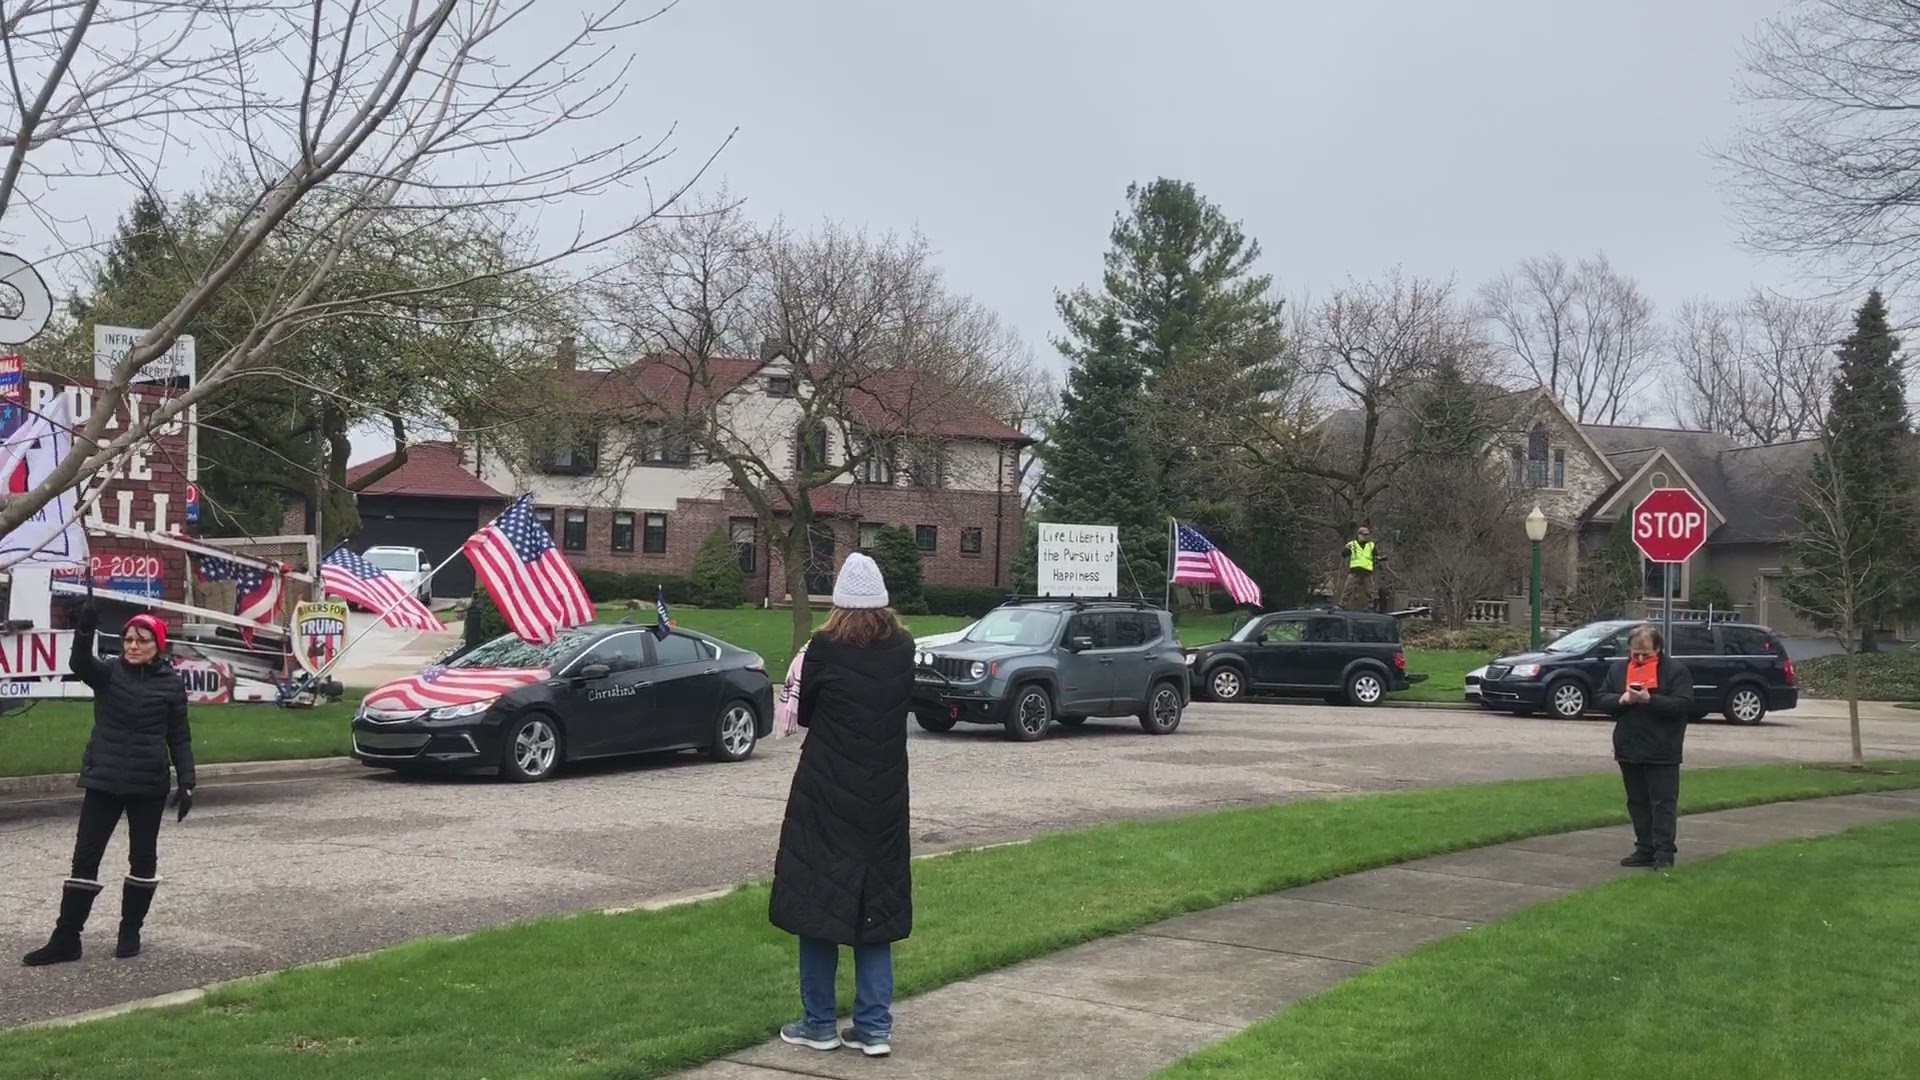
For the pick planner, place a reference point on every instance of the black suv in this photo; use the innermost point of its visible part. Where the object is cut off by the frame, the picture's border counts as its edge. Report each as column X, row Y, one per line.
column 1032, row 662
column 1738, row 669
column 1350, row 656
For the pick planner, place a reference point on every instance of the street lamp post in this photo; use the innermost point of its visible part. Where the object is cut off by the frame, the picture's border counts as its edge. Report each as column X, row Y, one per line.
column 1536, row 532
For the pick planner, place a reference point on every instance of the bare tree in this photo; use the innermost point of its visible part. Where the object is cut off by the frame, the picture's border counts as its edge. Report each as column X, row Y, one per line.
column 1453, row 524
column 1584, row 331
column 393, row 116
column 872, row 354
column 1824, row 167
column 1759, row 370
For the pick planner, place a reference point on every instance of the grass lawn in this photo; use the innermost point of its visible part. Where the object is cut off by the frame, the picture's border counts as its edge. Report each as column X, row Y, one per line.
column 1795, row 959
column 1893, row 675
column 643, row 993
column 49, row 736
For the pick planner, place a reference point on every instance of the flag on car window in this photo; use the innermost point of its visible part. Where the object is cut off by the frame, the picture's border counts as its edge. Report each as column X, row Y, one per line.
column 661, row 624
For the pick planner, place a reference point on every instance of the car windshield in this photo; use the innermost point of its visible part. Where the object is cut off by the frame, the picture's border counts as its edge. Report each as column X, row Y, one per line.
column 509, row 651
column 393, row 560
column 1017, row 626
column 1584, row 638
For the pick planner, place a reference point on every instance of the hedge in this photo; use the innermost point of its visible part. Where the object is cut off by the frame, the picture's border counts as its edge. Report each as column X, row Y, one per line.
column 606, row 586
column 961, row 600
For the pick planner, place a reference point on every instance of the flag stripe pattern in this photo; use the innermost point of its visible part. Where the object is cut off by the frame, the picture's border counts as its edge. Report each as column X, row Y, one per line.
column 256, row 591
column 353, row 578
column 1197, row 562
column 438, row 686
column 532, row 583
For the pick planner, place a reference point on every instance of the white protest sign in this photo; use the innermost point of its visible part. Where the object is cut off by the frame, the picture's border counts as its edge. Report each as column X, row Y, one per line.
column 111, row 344
column 1079, row 560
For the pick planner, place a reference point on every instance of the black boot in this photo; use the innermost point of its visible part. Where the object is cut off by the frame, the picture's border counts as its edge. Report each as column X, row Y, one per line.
column 136, row 899
column 1640, row 857
column 76, row 903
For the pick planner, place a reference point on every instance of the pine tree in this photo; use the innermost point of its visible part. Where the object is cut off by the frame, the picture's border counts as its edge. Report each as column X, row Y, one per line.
column 1098, row 470
column 1866, row 468
column 716, row 577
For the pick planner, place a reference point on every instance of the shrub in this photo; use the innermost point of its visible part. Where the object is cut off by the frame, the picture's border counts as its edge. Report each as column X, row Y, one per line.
column 609, row 587
column 970, row 601
column 1492, row 640
column 492, row 623
column 1709, row 592
column 717, row 581
column 900, row 564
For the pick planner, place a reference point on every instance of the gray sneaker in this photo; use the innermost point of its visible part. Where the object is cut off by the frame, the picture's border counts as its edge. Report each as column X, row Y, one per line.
column 801, row 1033
column 866, row 1042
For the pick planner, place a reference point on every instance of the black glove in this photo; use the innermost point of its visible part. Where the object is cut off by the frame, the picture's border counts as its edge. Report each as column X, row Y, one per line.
column 182, row 798
column 87, row 622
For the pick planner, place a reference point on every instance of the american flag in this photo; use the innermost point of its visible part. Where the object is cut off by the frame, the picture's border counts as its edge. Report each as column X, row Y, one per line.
column 531, row 582
column 662, row 626
column 351, row 577
column 256, row 590
column 438, row 686
column 1197, row 562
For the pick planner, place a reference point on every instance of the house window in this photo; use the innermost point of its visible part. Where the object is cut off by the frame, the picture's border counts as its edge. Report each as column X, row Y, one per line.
column 1559, row 468
column 661, row 449
column 877, row 466
column 779, row 386
column 745, row 533
column 1652, row 572
column 870, row 535
column 623, row 530
column 653, row 540
column 810, row 448
column 571, row 456
column 1537, row 457
column 928, row 465
column 927, row 538
column 576, row 531
column 971, row 541
column 543, row 516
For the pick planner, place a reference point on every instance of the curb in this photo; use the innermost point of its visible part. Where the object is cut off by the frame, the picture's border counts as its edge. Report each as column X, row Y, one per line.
column 63, row 783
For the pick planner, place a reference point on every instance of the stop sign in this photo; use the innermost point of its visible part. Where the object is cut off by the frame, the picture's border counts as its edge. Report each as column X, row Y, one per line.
column 1669, row 525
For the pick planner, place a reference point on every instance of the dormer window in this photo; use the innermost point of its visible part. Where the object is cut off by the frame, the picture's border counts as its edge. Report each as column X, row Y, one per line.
column 780, row 386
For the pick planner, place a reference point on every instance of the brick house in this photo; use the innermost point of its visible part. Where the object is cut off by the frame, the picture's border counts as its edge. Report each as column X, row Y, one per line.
column 629, row 497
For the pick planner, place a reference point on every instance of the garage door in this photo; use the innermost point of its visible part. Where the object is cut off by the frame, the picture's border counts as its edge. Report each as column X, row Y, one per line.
column 440, row 526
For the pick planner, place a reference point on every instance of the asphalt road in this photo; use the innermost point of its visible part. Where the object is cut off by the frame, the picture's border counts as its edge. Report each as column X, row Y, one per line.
column 266, row 875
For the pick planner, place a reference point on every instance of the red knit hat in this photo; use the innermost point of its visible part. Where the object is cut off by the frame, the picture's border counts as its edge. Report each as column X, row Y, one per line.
column 154, row 625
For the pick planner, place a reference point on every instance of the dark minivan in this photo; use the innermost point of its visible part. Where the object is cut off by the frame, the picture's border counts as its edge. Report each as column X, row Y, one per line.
column 1738, row 669
column 1343, row 656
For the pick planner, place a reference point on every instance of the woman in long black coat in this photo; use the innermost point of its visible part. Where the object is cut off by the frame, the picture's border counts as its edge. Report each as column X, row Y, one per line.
column 139, row 728
column 1650, row 697
column 842, row 876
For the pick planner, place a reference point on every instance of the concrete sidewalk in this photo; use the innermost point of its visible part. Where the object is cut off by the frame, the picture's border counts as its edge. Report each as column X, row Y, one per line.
column 1124, row 1007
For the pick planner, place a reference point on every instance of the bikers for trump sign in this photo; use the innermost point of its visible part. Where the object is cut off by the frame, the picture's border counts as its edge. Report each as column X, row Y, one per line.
column 319, row 630
column 1079, row 560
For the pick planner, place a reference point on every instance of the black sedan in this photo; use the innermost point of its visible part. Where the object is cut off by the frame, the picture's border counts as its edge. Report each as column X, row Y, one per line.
column 596, row 691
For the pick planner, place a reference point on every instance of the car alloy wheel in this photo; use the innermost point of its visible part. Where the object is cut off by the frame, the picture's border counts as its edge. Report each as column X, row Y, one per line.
column 1746, row 705
column 1163, row 712
column 536, row 746
column 1226, row 685
column 736, row 735
column 1569, row 700
column 1032, row 715
column 1365, row 688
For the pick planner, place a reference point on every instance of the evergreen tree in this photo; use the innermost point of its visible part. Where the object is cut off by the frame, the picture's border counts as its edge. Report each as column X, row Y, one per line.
column 1098, row 470
column 1866, row 468
column 716, row 578
column 901, row 565
column 1610, row 579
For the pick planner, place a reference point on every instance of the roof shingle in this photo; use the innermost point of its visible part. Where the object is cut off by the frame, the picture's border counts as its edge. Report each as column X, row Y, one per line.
column 432, row 470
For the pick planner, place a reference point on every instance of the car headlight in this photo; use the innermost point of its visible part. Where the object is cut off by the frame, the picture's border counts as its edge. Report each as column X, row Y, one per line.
column 921, row 659
column 1191, row 657
column 978, row 670
column 1525, row 671
column 455, row 712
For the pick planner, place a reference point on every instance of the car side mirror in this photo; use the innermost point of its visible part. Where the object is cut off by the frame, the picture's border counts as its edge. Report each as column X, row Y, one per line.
column 1080, row 644
column 1260, row 639
column 1607, row 649
column 426, row 566
column 592, row 672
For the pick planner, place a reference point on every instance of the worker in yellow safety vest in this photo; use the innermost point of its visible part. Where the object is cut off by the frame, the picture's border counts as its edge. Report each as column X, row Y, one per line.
column 1361, row 556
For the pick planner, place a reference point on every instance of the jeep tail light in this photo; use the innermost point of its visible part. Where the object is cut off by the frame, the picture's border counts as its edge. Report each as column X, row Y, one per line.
column 1786, row 666
column 1400, row 661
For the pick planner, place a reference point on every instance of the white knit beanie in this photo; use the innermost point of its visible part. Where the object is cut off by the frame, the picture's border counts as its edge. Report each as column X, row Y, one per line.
column 860, row 584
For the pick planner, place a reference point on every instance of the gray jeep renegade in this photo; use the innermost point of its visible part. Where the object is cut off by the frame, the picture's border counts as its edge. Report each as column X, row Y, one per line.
column 1032, row 662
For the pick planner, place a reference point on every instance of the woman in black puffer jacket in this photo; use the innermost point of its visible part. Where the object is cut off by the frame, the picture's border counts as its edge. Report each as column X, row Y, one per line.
column 139, row 721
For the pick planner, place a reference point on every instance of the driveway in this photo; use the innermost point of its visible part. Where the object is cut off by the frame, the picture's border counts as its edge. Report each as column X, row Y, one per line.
column 266, row 875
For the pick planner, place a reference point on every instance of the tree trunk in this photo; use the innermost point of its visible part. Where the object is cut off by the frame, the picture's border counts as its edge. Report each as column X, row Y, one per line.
column 1853, row 708
column 795, row 554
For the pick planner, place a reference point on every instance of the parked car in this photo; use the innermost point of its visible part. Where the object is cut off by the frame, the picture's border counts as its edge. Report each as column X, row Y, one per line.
column 596, row 691
column 1344, row 656
column 1030, row 663
column 1473, row 680
column 407, row 565
column 1740, row 669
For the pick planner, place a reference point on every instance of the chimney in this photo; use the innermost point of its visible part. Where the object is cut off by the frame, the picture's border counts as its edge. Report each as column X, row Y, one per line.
column 772, row 348
column 565, row 358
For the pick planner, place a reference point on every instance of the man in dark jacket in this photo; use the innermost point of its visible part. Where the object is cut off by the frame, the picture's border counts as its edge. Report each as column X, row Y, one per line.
column 1650, row 696
column 139, row 723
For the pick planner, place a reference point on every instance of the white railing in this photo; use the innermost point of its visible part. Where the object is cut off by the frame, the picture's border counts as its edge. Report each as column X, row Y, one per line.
column 1488, row 611
column 1707, row 614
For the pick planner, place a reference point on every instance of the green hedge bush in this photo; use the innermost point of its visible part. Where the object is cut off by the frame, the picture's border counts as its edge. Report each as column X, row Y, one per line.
column 607, row 586
column 969, row 601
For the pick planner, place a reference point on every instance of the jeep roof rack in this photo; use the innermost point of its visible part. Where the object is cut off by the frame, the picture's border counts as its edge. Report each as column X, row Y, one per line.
column 1081, row 602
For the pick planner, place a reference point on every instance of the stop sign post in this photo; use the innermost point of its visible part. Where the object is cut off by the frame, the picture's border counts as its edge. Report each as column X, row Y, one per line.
column 1669, row 525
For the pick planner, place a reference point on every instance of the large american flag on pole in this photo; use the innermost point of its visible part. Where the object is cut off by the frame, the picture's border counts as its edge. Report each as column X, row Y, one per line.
column 531, row 582
column 350, row 577
column 1197, row 562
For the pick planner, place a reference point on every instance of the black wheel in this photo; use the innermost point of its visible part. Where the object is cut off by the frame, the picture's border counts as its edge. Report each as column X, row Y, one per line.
column 1226, row 684
column 1164, row 707
column 1031, row 714
column 1072, row 721
column 935, row 724
column 1366, row 687
column 735, row 733
column 1567, row 699
column 1746, row 705
column 531, row 750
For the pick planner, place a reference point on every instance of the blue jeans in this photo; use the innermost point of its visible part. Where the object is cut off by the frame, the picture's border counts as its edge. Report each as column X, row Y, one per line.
column 872, row 985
